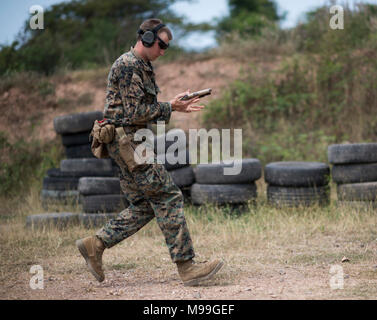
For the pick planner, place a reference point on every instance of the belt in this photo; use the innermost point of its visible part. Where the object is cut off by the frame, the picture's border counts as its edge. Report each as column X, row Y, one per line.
column 123, row 124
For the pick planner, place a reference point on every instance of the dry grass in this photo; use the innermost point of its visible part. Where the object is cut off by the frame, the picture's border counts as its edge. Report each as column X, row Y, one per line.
column 269, row 47
column 269, row 252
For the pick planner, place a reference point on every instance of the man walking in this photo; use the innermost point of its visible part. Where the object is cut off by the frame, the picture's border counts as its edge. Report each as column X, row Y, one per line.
column 132, row 99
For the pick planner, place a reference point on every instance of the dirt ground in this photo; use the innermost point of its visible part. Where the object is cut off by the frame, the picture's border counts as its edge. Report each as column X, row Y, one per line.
column 275, row 272
column 264, row 282
column 274, row 283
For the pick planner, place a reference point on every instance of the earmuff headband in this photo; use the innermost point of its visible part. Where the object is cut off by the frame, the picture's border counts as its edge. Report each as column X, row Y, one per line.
column 150, row 36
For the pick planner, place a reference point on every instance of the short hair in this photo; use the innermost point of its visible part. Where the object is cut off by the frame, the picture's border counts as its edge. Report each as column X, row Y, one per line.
column 150, row 24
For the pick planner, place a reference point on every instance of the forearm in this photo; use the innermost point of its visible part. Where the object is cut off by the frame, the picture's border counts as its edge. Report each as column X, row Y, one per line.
column 137, row 113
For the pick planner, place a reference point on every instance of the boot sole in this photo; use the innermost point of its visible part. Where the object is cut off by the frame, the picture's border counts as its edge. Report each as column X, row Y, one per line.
column 80, row 245
column 195, row 282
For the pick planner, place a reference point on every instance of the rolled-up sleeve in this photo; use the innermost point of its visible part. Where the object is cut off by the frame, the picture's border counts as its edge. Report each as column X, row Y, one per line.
column 136, row 111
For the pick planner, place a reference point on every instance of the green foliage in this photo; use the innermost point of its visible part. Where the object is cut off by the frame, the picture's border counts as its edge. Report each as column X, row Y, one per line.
column 21, row 163
column 289, row 143
column 45, row 88
column 246, row 24
column 248, row 18
column 315, row 35
column 324, row 93
column 84, row 33
column 266, row 8
column 9, row 58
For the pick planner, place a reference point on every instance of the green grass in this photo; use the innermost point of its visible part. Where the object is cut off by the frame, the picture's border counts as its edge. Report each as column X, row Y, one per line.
column 253, row 244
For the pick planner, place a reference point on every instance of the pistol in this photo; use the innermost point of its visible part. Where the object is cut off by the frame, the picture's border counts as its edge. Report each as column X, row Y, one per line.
column 197, row 94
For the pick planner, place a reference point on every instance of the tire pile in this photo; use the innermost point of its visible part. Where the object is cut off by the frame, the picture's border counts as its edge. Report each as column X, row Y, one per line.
column 74, row 130
column 215, row 187
column 355, row 173
column 95, row 177
column 101, row 195
column 293, row 184
column 175, row 145
column 60, row 186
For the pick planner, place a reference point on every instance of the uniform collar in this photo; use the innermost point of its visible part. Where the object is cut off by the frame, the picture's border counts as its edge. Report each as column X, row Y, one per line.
column 146, row 65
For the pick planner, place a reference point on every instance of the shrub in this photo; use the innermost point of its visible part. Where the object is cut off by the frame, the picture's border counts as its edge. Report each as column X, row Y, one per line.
column 322, row 94
column 23, row 163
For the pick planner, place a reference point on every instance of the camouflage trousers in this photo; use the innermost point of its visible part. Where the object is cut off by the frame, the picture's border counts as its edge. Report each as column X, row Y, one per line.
column 151, row 193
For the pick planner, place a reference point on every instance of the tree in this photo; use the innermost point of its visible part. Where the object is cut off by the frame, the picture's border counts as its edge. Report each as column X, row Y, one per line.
column 248, row 17
column 267, row 8
column 84, row 33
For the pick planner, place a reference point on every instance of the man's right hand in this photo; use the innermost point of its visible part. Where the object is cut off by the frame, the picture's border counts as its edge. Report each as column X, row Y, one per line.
column 184, row 106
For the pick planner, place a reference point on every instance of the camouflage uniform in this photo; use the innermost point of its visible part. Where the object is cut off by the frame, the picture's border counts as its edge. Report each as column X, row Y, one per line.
column 151, row 192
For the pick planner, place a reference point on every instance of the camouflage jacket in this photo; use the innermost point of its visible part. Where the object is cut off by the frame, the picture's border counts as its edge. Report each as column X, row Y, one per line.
column 132, row 93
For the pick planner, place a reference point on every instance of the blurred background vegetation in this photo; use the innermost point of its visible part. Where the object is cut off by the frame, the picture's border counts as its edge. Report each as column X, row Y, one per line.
column 320, row 88
column 85, row 33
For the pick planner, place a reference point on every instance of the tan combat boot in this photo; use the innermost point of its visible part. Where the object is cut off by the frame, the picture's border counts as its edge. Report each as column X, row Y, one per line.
column 91, row 249
column 191, row 273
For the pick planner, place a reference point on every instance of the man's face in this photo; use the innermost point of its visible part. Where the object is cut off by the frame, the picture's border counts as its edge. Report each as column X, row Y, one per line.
column 155, row 51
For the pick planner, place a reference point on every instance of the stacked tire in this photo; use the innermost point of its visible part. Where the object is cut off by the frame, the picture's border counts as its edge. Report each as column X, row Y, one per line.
column 221, row 184
column 171, row 150
column 355, row 173
column 74, row 130
column 294, row 183
column 65, row 181
column 102, row 195
column 60, row 186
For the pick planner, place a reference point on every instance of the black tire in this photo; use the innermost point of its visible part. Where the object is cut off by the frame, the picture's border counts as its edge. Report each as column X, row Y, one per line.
column 59, row 220
column 59, row 195
column 186, row 192
column 94, row 166
column 56, row 172
column 78, row 122
column 173, row 166
column 61, row 184
column 74, row 139
column 183, row 177
column 357, row 191
column 222, row 193
column 214, row 173
column 99, row 185
column 176, row 135
column 79, row 151
column 354, row 173
column 113, row 162
column 297, row 174
column 97, row 220
column 104, row 203
column 52, row 198
column 295, row 196
column 352, row 153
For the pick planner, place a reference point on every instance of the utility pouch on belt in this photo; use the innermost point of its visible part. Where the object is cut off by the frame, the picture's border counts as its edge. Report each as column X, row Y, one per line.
column 129, row 152
column 102, row 133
